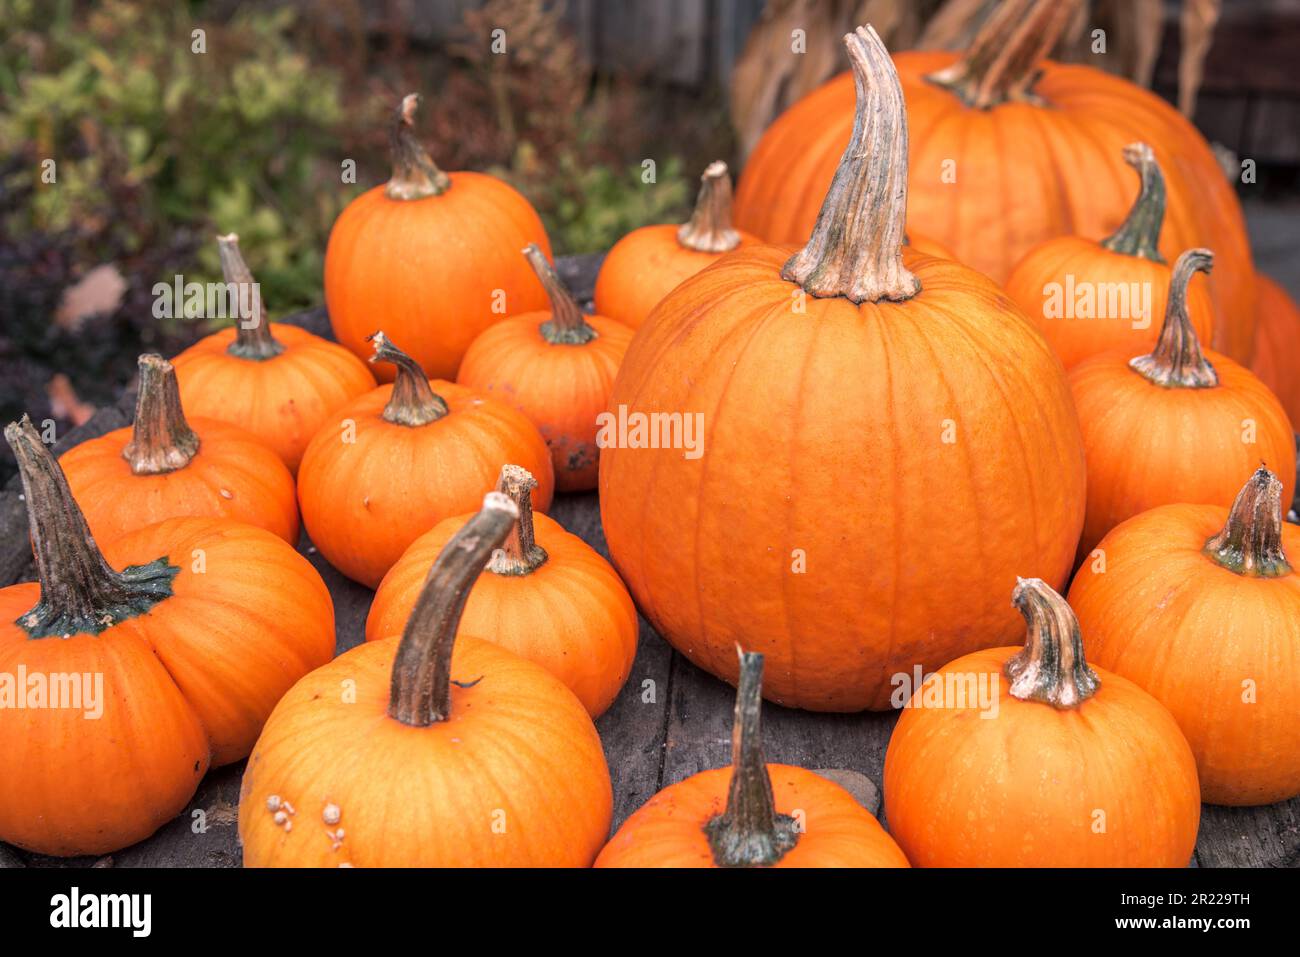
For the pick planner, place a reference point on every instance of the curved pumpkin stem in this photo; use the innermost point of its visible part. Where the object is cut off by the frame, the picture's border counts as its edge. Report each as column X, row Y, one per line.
column 253, row 339
column 519, row 554
column 1002, row 62
column 750, row 833
column 420, row 694
column 80, row 591
column 1251, row 541
column 415, row 175
column 1177, row 361
column 161, row 439
column 1051, row 667
column 709, row 229
column 567, row 325
column 856, row 247
column 413, row 401
column 1139, row 234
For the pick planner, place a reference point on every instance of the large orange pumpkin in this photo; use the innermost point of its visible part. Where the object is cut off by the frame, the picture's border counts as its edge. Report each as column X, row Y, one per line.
column 433, row 257
column 1008, row 150
column 165, row 466
column 400, row 753
column 1277, row 349
column 175, row 642
column 830, row 412
column 1065, row 766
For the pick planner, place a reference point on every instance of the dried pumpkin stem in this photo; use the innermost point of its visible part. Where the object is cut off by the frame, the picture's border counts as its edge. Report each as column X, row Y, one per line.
column 415, row 175
column 413, row 401
column 161, row 439
column 253, row 339
column 750, row 833
column 1251, row 541
column 1177, row 361
column 1139, row 234
column 856, row 247
column 567, row 325
column 420, row 694
column 1051, row 667
column 709, row 229
column 80, row 591
column 519, row 554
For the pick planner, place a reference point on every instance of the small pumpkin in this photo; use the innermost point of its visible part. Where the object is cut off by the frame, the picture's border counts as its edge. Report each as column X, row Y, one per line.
column 402, row 458
column 277, row 381
column 1277, row 349
column 556, row 367
column 1090, row 297
column 743, row 816
column 1204, row 613
column 1181, row 424
column 187, row 632
column 166, row 466
column 430, row 255
column 476, row 758
column 1031, row 757
column 546, row 595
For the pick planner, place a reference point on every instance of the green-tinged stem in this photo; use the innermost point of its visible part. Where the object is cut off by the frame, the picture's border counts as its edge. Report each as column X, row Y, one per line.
column 567, row 325
column 413, row 401
column 709, row 229
column 1177, row 361
column 253, row 338
column 519, row 554
column 161, row 439
column 415, row 175
column 1051, row 667
column 1139, row 234
column 1251, row 541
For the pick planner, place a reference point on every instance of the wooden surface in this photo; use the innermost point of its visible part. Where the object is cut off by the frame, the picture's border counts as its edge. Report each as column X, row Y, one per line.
column 670, row 721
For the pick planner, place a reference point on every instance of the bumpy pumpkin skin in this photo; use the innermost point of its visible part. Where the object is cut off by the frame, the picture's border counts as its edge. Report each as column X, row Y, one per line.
column 841, row 413
column 1277, row 351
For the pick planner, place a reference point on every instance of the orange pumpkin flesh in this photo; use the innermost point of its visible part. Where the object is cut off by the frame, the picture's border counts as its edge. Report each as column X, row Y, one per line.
column 1277, row 352
column 476, row 758
column 825, row 419
column 164, row 466
column 1063, row 765
column 556, row 367
column 546, row 595
column 1206, row 617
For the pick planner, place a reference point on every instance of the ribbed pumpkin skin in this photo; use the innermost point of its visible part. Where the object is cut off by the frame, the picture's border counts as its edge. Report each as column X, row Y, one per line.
column 232, row 476
column 1147, row 445
column 571, row 615
column 1075, row 339
column 428, row 270
column 283, row 401
column 561, row 388
column 1191, row 633
column 364, row 502
column 1024, row 789
column 518, row 744
column 824, row 433
column 1024, row 174
column 668, row 831
column 1277, row 349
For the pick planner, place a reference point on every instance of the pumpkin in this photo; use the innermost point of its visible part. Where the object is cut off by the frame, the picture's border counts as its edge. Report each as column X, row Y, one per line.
column 1031, row 757
column 858, row 397
column 744, row 815
column 1204, row 613
column 1009, row 150
column 126, row 674
column 433, row 256
column 556, row 367
column 546, row 595
column 402, row 458
column 1090, row 297
column 279, row 382
column 433, row 758
column 1177, row 425
column 1277, row 349
column 165, row 466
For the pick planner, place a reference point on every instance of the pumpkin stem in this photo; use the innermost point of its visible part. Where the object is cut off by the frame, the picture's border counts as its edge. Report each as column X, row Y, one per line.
column 856, row 247
column 80, row 592
column 415, row 175
column 1139, row 234
column 161, row 439
column 520, row 554
column 1251, row 541
column 709, row 229
column 567, row 325
column 420, row 693
column 253, row 339
column 750, row 833
column 1177, row 361
column 1002, row 62
column 413, row 401
column 1051, row 667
